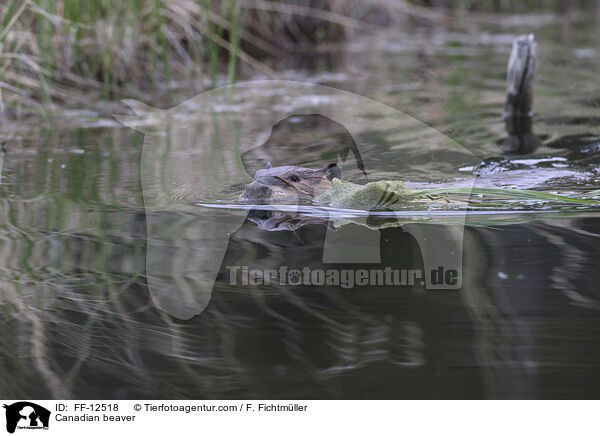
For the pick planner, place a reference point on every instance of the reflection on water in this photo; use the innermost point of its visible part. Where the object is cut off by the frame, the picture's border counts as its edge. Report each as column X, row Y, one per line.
column 78, row 320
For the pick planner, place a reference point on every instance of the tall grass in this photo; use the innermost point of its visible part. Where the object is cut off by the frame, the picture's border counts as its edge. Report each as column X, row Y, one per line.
column 52, row 50
column 70, row 52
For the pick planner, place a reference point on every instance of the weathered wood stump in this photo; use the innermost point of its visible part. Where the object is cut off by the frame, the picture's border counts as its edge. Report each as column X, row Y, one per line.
column 518, row 112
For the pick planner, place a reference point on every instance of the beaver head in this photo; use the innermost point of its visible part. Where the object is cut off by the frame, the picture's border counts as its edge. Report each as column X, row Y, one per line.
column 290, row 183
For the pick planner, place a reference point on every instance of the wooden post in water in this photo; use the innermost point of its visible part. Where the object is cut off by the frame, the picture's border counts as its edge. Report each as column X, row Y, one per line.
column 518, row 113
column 2, row 151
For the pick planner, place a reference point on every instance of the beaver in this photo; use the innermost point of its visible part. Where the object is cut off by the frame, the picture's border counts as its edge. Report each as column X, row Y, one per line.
column 299, row 185
column 290, row 183
column 293, row 183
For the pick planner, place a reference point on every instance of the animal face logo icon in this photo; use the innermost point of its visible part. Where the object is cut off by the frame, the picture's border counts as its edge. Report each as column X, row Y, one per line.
column 212, row 146
column 26, row 415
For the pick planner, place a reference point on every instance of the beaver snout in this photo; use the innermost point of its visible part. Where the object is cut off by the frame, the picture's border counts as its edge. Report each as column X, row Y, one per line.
column 257, row 191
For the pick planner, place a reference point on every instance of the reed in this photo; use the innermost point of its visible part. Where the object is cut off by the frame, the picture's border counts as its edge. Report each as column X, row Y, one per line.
column 66, row 52
column 56, row 53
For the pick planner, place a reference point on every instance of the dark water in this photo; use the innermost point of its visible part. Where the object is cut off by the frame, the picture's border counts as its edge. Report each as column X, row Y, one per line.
column 79, row 319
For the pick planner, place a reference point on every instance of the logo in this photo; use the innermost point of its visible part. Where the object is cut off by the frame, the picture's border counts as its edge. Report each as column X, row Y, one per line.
column 26, row 415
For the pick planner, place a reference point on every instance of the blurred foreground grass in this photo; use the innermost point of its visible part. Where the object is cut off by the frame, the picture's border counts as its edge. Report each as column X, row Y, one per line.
column 72, row 53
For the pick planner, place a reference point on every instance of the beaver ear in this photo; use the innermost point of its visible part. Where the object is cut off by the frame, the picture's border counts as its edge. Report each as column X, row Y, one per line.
column 269, row 166
column 332, row 171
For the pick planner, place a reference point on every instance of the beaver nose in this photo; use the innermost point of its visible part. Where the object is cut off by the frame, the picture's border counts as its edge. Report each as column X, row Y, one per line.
column 256, row 190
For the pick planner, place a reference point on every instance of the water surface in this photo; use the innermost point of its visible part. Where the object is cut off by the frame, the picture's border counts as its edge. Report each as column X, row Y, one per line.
column 78, row 320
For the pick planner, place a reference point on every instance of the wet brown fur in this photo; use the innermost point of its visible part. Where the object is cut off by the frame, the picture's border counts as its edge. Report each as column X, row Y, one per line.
column 292, row 182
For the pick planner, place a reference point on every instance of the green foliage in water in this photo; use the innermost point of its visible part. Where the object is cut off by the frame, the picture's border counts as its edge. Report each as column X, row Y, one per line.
column 394, row 195
column 374, row 195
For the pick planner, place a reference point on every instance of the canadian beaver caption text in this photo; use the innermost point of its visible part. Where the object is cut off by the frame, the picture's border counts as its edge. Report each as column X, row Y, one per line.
column 98, row 412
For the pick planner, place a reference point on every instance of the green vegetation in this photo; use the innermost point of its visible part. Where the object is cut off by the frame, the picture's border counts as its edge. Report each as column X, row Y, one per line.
column 53, row 50
column 393, row 195
column 68, row 52
column 57, row 53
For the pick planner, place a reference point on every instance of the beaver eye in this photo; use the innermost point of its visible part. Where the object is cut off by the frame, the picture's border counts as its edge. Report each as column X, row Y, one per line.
column 294, row 178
